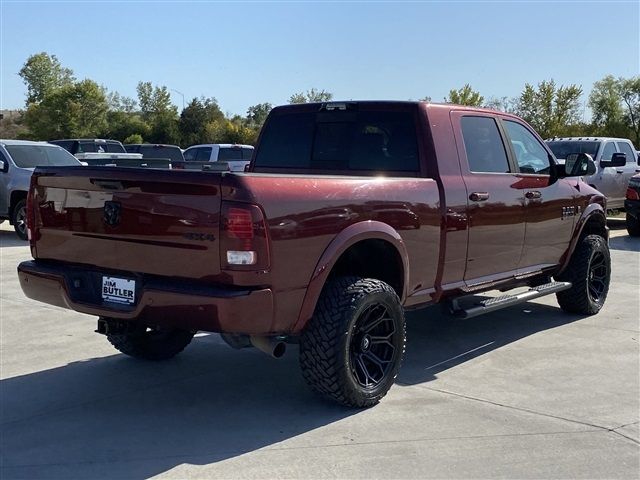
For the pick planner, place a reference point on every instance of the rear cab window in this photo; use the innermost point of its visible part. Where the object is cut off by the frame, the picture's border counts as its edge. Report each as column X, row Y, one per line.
column 362, row 141
column 563, row 148
column 486, row 153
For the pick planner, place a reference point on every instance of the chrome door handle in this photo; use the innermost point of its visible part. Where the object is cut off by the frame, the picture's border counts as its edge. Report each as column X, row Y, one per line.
column 479, row 196
column 619, row 171
column 533, row 194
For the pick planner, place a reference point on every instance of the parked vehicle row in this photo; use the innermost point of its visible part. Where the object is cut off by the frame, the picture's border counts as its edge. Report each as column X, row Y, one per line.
column 349, row 214
column 18, row 159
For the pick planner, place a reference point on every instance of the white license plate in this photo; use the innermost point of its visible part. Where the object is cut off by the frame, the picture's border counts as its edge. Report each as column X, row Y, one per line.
column 119, row 290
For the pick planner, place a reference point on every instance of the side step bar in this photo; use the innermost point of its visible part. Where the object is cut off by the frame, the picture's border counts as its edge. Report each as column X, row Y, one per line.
column 504, row 301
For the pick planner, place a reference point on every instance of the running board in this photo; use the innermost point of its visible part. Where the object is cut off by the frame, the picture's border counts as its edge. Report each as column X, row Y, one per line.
column 504, row 301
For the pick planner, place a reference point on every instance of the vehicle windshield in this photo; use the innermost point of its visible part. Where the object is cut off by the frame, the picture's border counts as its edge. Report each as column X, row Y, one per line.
column 366, row 141
column 561, row 149
column 158, row 151
column 31, row 156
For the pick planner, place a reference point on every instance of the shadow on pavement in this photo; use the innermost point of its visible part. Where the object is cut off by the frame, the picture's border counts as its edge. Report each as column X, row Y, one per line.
column 437, row 342
column 116, row 417
column 8, row 238
column 627, row 243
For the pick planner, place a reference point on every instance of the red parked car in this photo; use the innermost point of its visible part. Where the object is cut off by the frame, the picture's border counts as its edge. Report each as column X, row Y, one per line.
column 350, row 213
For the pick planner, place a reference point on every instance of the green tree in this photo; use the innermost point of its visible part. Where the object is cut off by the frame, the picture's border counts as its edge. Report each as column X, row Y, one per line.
column 311, row 96
column 43, row 73
column 605, row 102
column 135, row 138
column 195, row 117
column 154, row 100
column 73, row 110
column 550, row 109
column 257, row 114
column 230, row 131
column 158, row 111
column 630, row 93
column 465, row 96
column 502, row 104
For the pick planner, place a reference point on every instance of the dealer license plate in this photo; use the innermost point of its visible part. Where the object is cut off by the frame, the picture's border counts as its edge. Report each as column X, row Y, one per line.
column 119, row 290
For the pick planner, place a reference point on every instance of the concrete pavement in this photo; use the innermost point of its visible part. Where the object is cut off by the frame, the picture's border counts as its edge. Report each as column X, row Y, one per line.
column 527, row 392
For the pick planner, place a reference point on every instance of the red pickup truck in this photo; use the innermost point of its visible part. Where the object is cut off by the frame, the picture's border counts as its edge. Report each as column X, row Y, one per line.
column 350, row 213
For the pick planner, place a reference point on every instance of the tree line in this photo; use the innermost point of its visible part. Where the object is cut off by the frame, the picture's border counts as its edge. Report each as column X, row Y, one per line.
column 58, row 105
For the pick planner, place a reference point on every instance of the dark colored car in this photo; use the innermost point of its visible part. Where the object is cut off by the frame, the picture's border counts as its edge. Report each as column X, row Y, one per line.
column 90, row 145
column 350, row 213
column 151, row 150
column 632, row 206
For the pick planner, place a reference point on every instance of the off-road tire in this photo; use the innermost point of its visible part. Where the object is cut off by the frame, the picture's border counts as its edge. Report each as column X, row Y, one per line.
column 19, row 218
column 328, row 343
column 633, row 225
column 591, row 259
column 150, row 344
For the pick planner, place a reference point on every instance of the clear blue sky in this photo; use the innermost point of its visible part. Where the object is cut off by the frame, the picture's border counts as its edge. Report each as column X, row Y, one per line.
column 247, row 53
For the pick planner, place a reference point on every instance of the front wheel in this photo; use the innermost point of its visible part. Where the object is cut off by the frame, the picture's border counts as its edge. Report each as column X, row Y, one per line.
column 589, row 272
column 633, row 225
column 352, row 348
column 19, row 219
column 151, row 344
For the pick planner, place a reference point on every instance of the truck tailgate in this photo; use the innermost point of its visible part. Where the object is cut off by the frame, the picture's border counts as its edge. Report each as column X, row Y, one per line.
column 145, row 221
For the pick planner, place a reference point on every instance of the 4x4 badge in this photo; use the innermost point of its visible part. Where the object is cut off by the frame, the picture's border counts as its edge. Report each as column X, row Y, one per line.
column 111, row 213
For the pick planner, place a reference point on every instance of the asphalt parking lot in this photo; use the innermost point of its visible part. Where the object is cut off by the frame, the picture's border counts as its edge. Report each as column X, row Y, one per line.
column 528, row 392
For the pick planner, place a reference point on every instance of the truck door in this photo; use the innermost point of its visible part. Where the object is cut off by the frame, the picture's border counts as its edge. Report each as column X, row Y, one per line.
column 549, row 207
column 495, row 204
column 605, row 178
column 630, row 169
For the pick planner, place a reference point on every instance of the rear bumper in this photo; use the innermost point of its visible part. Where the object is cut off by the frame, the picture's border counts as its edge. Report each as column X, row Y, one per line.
column 159, row 301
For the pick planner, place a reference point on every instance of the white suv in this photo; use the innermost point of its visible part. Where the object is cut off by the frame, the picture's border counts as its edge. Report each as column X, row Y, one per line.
column 237, row 156
column 613, row 168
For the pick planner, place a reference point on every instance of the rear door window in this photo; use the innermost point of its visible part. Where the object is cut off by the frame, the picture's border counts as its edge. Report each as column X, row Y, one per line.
column 229, row 154
column 482, row 142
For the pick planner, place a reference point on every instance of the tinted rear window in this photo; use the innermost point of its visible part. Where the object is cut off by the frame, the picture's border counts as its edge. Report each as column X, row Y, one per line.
column 30, row 156
column 365, row 141
column 152, row 151
column 562, row 149
column 483, row 144
column 100, row 147
column 227, row 154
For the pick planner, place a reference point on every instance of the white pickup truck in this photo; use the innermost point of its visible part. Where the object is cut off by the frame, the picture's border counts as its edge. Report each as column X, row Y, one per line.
column 616, row 162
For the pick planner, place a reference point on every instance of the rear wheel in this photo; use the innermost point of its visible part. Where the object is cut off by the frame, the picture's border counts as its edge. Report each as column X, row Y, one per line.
column 589, row 272
column 151, row 344
column 352, row 349
column 633, row 225
column 19, row 219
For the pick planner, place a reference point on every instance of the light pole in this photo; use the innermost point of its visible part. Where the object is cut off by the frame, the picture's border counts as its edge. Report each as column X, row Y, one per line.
column 179, row 93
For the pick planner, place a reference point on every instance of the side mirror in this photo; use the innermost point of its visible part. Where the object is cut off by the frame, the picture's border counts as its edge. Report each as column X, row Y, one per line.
column 617, row 160
column 3, row 166
column 579, row 165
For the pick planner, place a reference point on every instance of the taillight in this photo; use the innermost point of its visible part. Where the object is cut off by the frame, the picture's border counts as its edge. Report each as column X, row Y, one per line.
column 632, row 194
column 243, row 244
